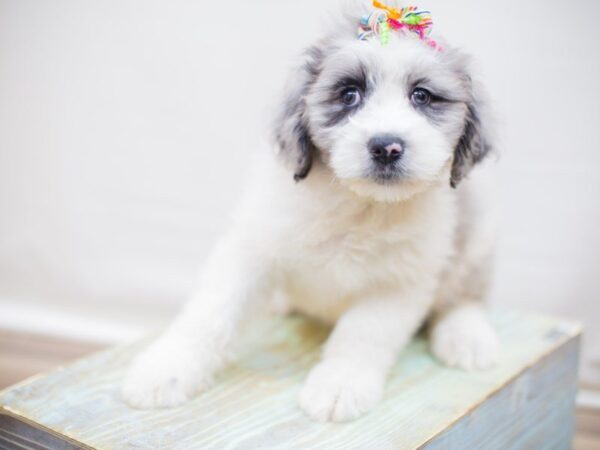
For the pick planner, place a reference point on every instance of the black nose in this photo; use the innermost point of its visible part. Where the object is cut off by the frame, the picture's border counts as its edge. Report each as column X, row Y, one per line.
column 386, row 149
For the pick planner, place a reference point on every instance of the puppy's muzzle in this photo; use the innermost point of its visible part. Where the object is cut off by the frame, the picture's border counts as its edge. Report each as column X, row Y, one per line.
column 386, row 149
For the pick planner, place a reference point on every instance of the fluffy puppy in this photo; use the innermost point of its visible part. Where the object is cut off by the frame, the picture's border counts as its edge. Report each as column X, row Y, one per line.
column 364, row 220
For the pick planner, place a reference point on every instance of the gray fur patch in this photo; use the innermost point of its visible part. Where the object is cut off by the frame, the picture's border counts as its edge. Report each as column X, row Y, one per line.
column 291, row 129
column 471, row 148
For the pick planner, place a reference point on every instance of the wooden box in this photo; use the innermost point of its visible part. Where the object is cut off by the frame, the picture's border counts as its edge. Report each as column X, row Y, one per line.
column 525, row 403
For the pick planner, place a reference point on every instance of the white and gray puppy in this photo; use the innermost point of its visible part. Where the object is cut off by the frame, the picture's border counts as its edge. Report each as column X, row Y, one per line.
column 368, row 225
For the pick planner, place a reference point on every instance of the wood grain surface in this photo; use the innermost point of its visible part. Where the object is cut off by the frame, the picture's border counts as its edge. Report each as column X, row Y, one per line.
column 253, row 404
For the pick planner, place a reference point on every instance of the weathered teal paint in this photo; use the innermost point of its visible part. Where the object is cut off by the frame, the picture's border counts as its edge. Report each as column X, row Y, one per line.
column 527, row 402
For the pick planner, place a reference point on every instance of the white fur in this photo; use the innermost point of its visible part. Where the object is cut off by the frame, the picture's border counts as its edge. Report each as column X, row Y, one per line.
column 464, row 339
column 373, row 260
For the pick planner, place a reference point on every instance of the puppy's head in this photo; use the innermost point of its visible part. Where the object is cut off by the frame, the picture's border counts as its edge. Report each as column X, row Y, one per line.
column 388, row 121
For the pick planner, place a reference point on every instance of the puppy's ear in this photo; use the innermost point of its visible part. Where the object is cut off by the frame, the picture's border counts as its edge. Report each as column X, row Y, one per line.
column 292, row 132
column 473, row 145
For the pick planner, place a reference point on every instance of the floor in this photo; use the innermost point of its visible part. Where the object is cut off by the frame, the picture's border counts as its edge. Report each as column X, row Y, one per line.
column 588, row 430
column 23, row 355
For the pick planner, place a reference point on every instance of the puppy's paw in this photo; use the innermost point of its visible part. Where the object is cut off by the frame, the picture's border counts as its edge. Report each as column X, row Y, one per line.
column 338, row 392
column 164, row 376
column 466, row 340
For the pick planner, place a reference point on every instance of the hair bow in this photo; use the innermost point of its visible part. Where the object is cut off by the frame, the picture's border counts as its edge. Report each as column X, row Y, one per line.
column 385, row 19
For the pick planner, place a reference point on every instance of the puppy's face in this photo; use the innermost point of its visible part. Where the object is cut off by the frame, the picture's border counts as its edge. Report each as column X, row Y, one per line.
column 387, row 121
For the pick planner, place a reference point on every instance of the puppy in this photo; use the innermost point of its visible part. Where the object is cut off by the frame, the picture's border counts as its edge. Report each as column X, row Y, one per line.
column 363, row 220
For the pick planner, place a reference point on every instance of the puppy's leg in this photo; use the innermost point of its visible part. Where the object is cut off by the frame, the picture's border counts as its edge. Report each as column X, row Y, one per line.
column 463, row 337
column 181, row 362
column 460, row 333
column 357, row 357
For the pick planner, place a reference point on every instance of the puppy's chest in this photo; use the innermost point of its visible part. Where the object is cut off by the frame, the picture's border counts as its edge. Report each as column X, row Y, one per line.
column 341, row 257
column 358, row 247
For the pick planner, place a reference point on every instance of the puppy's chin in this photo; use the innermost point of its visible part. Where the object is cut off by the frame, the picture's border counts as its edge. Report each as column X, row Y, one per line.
column 388, row 191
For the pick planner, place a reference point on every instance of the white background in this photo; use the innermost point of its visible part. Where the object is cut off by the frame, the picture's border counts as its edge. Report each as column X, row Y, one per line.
column 126, row 127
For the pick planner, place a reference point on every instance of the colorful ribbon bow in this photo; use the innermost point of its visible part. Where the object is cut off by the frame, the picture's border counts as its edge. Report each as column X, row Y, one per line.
column 384, row 19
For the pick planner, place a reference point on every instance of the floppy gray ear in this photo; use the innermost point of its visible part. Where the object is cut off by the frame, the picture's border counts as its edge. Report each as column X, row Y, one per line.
column 292, row 132
column 473, row 145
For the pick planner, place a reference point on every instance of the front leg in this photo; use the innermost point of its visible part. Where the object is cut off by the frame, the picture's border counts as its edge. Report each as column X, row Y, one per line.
column 182, row 361
column 358, row 356
column 463, row 337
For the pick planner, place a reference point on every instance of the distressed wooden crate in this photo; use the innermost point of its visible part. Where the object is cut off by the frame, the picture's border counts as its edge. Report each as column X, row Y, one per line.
column 527, row 402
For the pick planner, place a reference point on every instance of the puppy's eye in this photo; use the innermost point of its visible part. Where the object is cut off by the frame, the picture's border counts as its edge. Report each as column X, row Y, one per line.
column 420, row 97
column 351, row 96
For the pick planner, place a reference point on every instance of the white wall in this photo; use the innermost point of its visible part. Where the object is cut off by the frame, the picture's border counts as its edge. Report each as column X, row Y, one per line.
column 125, row 128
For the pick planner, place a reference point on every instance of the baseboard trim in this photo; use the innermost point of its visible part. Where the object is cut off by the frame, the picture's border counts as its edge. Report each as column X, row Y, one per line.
column 35, row 318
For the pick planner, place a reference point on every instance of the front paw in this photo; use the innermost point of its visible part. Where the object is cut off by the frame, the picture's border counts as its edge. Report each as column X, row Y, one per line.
column 337, row 391
column 466, row 341
column 165, row 375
